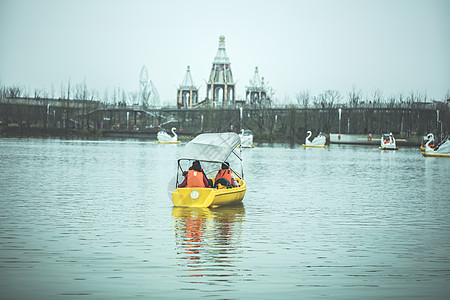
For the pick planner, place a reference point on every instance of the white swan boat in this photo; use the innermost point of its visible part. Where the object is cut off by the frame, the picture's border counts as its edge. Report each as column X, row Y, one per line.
column 388, row 142
column 429, row 138
column 318, row 142
column 441, row 150
column 246, row 137
column 165, row 138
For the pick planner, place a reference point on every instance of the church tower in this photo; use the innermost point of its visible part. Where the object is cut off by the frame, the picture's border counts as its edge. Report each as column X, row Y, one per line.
column 221, row 86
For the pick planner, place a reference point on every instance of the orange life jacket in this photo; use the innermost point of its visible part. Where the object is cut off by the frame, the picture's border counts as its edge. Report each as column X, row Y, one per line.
column 195, row 179
column 224, row 174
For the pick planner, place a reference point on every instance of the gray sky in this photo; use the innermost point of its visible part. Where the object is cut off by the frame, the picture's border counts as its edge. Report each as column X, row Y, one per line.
column 392, row 45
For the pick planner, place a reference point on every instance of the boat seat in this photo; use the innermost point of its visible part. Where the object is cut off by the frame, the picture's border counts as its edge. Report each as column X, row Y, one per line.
column 223, row 182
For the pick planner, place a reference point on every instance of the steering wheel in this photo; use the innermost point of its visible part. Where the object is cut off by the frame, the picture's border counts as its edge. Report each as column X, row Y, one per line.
column 223, row 182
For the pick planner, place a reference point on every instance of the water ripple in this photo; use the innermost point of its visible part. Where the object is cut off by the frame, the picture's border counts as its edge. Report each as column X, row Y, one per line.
column 93, row 219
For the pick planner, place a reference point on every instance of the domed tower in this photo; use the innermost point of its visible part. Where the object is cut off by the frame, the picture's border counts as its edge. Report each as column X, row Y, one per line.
column 221, row 86
column 187, row 93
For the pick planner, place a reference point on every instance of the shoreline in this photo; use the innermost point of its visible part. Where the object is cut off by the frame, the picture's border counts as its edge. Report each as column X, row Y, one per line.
column 267, row 138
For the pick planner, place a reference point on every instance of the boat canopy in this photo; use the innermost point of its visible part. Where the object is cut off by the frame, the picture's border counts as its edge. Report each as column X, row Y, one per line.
column 211, row 147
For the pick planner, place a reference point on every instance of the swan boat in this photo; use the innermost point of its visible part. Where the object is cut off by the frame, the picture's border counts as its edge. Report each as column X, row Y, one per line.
column 246, row 137
column 318, row 142
column 165, row 138
column 388, row 142
column 441, row 150
column 211, row 150
column 429, row 137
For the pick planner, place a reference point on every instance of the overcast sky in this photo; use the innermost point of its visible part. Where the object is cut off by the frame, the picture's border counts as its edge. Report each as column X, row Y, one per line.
column 394, row 46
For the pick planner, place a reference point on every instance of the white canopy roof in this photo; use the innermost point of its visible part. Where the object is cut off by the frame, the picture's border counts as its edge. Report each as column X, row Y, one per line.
column 212, row 147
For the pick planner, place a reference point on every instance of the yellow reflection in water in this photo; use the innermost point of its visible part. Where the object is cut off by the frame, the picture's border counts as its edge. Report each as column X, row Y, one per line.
column 208, row 241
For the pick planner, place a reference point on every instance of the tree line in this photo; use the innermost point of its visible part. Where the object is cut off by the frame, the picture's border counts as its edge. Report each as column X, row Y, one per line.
column 407, row 114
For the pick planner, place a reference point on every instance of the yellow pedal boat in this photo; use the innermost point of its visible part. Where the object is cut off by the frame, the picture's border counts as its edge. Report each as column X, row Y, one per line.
column 211, row 150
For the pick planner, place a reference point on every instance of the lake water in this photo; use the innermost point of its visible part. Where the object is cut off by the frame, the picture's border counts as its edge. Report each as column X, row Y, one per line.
column 93, row 220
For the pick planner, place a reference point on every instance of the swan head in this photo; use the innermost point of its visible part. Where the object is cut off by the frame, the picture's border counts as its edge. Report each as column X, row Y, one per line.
column 309, row 132
column 174, row 129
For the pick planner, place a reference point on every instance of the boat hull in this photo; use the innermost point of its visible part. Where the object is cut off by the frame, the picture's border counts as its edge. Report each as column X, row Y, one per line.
column 388, row 148
column 208, row 197
column 162, row 142
column 247, row 142
column 435, row 154
column 314, row 146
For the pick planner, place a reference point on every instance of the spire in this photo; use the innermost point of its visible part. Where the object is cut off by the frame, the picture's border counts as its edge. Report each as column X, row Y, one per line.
column 221, row 70
column 188, row 83
column 221, row 56
column 256, row 82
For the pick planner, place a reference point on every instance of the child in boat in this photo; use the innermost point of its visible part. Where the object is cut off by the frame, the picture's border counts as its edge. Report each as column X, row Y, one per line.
column 227, row 173
column 192, row 177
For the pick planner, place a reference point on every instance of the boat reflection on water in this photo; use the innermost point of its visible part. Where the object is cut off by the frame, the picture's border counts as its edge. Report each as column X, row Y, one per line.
column 208, row 242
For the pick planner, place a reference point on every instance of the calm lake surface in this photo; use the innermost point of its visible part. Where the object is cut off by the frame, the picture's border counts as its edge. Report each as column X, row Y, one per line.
column 93, row 220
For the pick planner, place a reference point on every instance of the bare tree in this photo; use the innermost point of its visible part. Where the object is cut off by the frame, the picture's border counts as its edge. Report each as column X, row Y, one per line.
column 287, row 100
column 94, row 95
column 354, row 97
column 37, row 94
column 303, row 98
column 105, row 96
column 377, row 98
column 52, row 91
column 62, row 91
column 124, row 97
column 68, row 90
column 328, row 99
column 391, row 101
column 13, row 92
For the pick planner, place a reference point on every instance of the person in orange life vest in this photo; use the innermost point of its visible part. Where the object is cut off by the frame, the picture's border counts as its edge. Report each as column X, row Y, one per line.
column 227, row 173
column 195, row 177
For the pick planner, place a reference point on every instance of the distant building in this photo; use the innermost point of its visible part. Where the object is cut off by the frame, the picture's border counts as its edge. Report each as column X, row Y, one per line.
column 187, row 93
column 221, row 86
column 256, row 93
